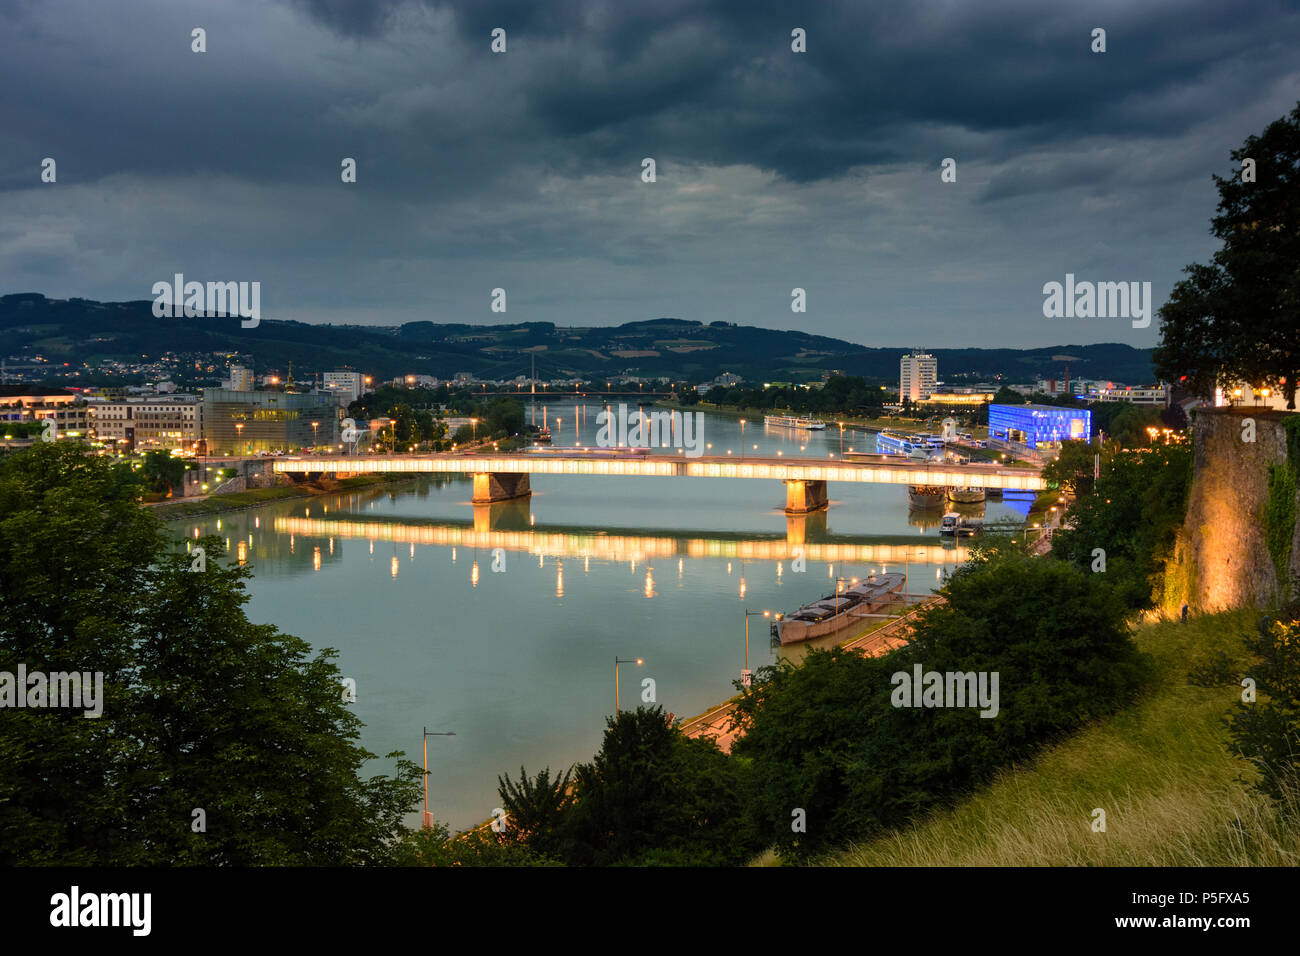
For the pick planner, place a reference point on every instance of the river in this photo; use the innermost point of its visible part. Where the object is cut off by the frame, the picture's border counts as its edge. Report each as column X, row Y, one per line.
column 519, row 662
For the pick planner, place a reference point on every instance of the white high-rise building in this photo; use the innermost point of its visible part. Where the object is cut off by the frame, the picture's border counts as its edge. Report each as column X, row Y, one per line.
column 347, row 385
column 918, row 373
column 242, row 379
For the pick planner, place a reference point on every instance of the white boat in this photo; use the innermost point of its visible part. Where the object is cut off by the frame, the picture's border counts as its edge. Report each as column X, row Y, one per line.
column 958, row 526
column 917, row 446
column 791, row 421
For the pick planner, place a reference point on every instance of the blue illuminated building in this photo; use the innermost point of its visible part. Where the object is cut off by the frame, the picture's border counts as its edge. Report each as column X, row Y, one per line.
column 1039, row 425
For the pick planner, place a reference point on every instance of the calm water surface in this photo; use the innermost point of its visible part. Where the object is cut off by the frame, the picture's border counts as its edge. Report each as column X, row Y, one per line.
column 520, row 663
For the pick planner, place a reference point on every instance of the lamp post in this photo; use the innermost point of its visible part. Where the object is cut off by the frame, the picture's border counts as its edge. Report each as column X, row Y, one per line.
column 428, row 820
column 746, row 674
column 314, row 426
column 841, row 439
column 239, row 432
column 742, row 438
column 618, row 660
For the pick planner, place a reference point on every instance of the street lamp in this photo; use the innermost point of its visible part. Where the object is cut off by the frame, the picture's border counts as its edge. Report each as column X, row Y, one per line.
column 313, row 433
column 841, row 439
column 428, row 820
column 742, row 438
column 239, row 432
column 618, row 660
column 746, row 674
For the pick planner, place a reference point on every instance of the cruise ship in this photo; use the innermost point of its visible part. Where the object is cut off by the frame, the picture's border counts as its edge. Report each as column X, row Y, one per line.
column 896, row 443
column 791, row 421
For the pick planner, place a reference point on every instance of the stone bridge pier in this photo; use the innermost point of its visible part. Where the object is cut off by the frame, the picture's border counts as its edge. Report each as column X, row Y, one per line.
column 804, row 496
column 492, row 486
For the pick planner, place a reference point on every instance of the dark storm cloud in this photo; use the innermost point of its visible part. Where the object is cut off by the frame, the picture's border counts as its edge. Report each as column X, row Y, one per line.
column 775, row 170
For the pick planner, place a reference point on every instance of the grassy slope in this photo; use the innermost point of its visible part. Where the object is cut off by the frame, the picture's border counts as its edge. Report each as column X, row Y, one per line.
column 1172, row 792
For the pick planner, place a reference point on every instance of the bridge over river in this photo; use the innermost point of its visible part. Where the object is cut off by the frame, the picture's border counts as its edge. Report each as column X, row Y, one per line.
column 500, row 477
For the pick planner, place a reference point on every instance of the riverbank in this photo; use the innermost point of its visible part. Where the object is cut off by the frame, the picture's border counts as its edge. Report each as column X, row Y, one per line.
column 832, row 419
column 255, row 497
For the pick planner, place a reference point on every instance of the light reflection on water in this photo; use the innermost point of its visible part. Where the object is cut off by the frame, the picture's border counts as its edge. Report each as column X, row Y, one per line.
column 445, row 620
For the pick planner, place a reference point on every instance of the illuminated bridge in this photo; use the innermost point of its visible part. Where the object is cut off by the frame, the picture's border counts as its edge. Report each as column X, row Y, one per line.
column 500, row 477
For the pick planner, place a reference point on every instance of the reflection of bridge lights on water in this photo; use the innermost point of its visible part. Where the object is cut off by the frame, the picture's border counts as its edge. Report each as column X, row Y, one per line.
column 649, row 583
column 473, row 575
column 559, row 579
column 315, row 559
column 242, row 553
column 392, row 566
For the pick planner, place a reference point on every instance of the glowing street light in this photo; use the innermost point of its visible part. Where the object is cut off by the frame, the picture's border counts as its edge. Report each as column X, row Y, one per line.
column 618, row 660
column 428, row 819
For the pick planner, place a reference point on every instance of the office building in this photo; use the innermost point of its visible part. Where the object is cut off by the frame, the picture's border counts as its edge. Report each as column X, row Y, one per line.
column 244, row 423
column 918, row 373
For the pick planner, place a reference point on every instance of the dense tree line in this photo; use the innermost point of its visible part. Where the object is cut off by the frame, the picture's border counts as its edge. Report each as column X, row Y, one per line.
column 219, row 741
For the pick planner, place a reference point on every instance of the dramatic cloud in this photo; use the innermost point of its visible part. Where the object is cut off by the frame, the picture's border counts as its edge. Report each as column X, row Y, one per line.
column 523, row 170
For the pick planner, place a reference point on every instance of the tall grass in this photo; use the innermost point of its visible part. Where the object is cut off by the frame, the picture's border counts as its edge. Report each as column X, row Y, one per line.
column 1172, row 793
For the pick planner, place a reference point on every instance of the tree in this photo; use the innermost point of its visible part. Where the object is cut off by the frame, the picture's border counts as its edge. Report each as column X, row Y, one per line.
column 202, row 710
column 1238, row 320
column 536, row 807
column 1132, row 516
column 652, row 789
column 1267, row 731
column 163, row 473
column 830, row 739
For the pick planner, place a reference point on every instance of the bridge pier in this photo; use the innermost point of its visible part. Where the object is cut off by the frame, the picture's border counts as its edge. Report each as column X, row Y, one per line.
column 499, row 486
column 804, row 497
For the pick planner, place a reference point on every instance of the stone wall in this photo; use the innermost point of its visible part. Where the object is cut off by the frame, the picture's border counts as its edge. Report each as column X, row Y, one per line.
column 1222, row 559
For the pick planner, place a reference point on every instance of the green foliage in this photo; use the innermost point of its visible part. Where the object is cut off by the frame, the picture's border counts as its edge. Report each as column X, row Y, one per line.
column 163, row 472
column 202, row 708
column 536, row 807
column 840, row 393
column 826, row 738
column 1072, row 469
column 434, row 846
column 1267, row 730
column 1236, row 320
column 1133, row 514
column 1279, row 521
column 651, row 796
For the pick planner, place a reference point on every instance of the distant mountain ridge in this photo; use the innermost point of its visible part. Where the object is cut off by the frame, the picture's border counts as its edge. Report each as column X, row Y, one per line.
column 82, row 330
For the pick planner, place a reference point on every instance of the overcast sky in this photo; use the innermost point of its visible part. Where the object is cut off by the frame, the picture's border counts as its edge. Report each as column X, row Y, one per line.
column 522, row 170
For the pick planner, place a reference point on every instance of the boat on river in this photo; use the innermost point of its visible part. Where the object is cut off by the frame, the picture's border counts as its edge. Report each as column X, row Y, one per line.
column 841, row 612
column 792, row 421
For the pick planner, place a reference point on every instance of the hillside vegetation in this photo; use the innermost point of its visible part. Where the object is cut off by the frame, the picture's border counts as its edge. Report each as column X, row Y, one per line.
column 1173, row 793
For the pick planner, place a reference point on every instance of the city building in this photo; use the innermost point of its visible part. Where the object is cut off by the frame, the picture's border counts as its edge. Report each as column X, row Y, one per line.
column 1144, row 395
column 248, row 422
column 347, row 386
column 963, row 395
column 1240, row 394
column 149, row 423
column 918, row 373
column 727, row 379
column 242, row 379
column 35, row 403
column 1038, row 426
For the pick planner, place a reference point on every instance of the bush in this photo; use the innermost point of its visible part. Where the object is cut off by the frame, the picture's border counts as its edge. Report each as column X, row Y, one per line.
column 826, row 737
